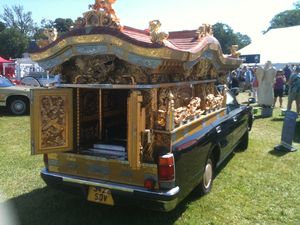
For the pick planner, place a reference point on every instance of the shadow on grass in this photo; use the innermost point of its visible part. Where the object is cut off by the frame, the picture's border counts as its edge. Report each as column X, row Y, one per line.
column 50, row 206
column 226, row 161
column 278, row 119
column 277, row 153
column 5, row 112
column 256, row 117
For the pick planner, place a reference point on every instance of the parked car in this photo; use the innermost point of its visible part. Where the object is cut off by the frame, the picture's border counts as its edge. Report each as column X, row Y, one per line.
column 30, row 81
column 15, row 98
column 38, row 81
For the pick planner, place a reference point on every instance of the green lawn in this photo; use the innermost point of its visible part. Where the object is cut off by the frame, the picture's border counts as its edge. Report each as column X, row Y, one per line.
column 259, row 186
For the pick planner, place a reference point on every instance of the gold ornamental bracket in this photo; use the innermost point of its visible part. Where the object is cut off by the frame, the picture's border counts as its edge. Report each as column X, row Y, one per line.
column 101, row 14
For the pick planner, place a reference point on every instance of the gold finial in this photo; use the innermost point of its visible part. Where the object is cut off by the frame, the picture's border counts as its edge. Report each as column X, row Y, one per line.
column 204, row 30
column 101, row 14
column 156, row 36
column 234, row 51
column 104, row 5
column 51, row 34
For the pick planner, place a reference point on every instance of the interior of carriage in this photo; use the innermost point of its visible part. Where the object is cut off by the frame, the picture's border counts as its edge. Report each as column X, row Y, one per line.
column 103, row 122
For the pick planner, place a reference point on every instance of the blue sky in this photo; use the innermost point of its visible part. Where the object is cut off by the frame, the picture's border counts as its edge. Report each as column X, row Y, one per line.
column 249, row 17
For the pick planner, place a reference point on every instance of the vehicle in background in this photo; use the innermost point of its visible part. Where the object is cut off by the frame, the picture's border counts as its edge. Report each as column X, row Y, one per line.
column 30, row 81
column 38, row 79
column 15, row 98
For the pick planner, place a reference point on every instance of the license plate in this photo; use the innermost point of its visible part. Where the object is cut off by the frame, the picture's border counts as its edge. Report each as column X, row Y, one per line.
column 100, row 195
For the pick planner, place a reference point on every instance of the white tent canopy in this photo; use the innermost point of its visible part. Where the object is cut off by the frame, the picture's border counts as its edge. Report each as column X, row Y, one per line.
column 280, row 46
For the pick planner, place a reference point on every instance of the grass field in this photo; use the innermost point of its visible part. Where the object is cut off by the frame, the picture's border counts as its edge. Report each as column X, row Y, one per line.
column 259, row 186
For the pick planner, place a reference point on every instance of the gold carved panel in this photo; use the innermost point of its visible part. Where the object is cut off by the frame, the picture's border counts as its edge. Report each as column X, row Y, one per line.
column 52, row 120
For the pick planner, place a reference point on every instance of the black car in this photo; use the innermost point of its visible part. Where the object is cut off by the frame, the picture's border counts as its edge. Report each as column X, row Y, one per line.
column 104, row 171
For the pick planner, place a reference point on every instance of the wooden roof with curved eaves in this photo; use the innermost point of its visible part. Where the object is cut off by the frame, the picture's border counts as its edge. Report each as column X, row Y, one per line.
column 134, row 46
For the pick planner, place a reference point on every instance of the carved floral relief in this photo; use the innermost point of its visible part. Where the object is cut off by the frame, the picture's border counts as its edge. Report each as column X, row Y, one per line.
column 53, row 121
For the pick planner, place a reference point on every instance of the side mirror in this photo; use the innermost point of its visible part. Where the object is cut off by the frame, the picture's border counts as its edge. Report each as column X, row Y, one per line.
column 251, row 101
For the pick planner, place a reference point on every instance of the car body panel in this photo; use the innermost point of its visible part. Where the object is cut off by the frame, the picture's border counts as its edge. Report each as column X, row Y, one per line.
column 9, row 91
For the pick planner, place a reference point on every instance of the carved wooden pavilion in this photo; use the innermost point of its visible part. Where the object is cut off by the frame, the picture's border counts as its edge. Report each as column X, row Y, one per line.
column 144, row 89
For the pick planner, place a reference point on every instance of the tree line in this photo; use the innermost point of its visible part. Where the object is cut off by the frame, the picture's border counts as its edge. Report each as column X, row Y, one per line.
column 17, row 29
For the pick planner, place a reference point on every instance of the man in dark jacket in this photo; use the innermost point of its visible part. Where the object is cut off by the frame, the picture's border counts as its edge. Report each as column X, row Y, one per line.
column 294, row 92
column 287, row 73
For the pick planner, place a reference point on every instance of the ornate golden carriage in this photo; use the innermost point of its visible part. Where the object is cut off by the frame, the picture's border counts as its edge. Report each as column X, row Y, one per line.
column 134, row 90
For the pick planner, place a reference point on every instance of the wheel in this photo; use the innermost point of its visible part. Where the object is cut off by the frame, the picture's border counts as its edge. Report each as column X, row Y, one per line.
column 18, row 106
column 207, row 179
column 243, row 145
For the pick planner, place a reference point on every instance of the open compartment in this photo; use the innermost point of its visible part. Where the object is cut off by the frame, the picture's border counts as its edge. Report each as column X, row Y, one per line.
column 102, row 122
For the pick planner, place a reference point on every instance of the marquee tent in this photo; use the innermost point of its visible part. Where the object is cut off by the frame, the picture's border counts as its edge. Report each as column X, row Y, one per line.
column 280, row 46
column 2, row 60
column 7, row 67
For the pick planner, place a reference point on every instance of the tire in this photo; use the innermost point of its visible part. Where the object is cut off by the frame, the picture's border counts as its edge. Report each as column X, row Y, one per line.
column 206, row 183
column 18, row 106
column 243, row 145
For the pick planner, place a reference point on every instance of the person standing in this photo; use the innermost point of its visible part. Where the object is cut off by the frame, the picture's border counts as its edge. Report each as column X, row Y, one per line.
column 279, row 87
column 254, row 87
column 294, row 91
column 287, row 73
column 266, row 77
column 234, row 83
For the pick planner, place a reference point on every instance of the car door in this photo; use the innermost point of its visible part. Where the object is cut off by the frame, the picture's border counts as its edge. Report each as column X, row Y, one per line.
column 226, row 128
column 238, row 118
column 230, row 125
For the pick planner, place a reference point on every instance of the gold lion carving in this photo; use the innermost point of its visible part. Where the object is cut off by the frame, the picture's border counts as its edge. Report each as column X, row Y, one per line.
column 156, row 35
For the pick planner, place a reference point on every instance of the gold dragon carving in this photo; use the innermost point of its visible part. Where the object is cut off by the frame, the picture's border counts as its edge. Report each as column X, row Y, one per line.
column 53, row 121
column 101, row 69
column 204, row 69
column 93, row 69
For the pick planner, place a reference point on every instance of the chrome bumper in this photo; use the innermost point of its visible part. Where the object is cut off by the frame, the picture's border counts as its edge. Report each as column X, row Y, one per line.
column 167, row 199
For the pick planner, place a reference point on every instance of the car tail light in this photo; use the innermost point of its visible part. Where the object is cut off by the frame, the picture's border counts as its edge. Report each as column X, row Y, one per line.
column 46, row 160
column 166, row 171
column 149, row 184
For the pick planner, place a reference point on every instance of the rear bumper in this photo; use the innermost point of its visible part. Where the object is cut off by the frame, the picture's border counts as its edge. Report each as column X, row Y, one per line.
column 122, row 194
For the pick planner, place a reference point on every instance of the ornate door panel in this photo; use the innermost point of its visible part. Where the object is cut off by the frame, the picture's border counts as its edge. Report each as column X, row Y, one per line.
column 51, row 120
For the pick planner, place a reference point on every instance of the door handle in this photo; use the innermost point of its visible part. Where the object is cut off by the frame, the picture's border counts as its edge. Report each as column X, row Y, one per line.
column 218, row 129
column 235, row 118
